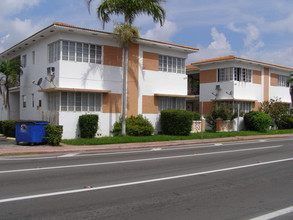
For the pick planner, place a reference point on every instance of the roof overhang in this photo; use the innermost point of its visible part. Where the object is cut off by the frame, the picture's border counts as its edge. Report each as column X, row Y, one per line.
column 73, row 90
column 60, row 27
column 232, row 58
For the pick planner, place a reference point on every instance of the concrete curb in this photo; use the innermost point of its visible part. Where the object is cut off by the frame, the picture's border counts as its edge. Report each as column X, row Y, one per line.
column 9, row 151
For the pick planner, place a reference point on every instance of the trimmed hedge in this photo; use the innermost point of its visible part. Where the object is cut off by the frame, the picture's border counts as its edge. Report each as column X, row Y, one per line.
column 257, row 121
column 176, row 122
column 135, row 126
column 8, row 128
column 196, row 116
column 53, row 134
column 88, row 125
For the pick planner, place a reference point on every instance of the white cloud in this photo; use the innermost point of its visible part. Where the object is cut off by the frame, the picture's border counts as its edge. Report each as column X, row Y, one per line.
column 162, row 33
column 252, row 35
column 11, row 7
column 218, row 47
column 15, row 30
column 220, row 41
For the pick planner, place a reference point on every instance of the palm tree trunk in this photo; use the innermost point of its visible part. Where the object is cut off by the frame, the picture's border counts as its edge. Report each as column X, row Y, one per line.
column 124, row 90
column 8, row 104
column 291, row 94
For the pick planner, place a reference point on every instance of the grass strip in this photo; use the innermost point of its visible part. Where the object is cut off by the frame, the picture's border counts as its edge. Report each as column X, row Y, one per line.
column 156, row 138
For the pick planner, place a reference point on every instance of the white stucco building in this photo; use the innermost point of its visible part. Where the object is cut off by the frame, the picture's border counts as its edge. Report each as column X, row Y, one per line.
column 69, row 71
column 237, row 80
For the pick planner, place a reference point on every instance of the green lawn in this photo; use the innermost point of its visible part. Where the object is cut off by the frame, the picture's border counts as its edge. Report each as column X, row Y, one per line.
column 155, row 138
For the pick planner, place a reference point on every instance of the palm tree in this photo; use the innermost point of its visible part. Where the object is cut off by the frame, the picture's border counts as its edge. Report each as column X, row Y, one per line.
column 126, row 33
column 290, row 81
column 10, row 71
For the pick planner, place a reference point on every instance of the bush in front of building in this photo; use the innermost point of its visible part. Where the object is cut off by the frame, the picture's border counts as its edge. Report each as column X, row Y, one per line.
column 276, row 109
column 223, row 111
column 8, row 128
column 135, row 126
column 176, row 122
column 53, row 134
column 286, row 122
column 88, row 125
column 257, row 121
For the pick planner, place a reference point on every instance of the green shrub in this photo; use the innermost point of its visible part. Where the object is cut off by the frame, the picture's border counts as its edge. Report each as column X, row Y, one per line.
column 53, row 134
column 285, row 122
column 88, row 125
column 196, row 116
column 257, row 121
column 135, row 126
column 8, row 128
column 276, row 109
column 223, row 111
column 1, row 130
column 176, row 122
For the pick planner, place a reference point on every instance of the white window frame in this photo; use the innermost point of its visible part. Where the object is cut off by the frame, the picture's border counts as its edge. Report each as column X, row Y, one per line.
column 282, row 80
column 171, row 64
column 94, row 106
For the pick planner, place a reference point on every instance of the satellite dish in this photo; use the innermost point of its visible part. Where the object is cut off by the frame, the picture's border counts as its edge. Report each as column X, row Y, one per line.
column 39, row 81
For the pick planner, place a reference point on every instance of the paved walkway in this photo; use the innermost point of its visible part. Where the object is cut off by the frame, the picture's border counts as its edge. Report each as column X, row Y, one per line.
column 8, row 147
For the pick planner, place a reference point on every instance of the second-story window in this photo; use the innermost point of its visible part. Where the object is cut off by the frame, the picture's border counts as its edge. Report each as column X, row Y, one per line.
column 54, row 52
column 81, row 52
column 171, row 64
column 23, row 61
column 242, row 74
column 225, row 74
column 234, row 73
column 282, row 81
column 33, row 57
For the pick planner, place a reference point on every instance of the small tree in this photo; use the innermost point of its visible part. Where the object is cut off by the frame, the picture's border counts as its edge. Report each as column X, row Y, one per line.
column 10, row 71
column 223, row 111
column 276, row 109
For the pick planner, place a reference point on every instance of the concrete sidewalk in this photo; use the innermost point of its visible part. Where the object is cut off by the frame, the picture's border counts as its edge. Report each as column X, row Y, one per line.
column 13, row 149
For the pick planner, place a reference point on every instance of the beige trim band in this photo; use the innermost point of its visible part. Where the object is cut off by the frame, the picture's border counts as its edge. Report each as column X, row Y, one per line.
column 240, row 100
column 174, row 95
column 73, row 90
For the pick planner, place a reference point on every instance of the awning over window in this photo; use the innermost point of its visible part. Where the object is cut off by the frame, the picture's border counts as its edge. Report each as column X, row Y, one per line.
column 74, row 90
column 174, row 95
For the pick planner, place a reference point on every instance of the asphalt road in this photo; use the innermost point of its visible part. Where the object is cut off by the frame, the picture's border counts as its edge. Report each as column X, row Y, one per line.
column 240, row 180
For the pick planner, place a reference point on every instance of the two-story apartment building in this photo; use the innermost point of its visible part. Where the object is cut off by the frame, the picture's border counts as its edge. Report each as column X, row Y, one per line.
column 237, row 81
column 69, row 71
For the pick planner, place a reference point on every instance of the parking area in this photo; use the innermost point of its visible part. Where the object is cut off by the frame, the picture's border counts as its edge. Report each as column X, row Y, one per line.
column 7, row 143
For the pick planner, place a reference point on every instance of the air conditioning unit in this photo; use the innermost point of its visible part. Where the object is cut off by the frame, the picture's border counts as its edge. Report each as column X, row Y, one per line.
column 218, row 87
column 50, row 71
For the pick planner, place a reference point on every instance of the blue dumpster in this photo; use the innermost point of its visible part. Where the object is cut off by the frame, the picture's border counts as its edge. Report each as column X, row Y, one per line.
column 30, row 131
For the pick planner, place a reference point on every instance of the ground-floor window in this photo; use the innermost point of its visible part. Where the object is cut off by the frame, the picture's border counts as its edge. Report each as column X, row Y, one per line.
column 244, row 107
column 53, row 101
column 80, row 101
column 75, row 101
column 171, row 103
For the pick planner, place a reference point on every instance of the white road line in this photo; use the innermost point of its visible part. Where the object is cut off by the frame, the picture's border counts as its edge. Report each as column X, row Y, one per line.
column 137, row 160
column 69, row 155
column 188, row 146
column 156, row 149
column 274, row 214
column 218, row 144
column 140, row 182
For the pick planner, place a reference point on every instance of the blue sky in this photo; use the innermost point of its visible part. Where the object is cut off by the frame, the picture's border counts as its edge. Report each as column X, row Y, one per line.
column 254, row 29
